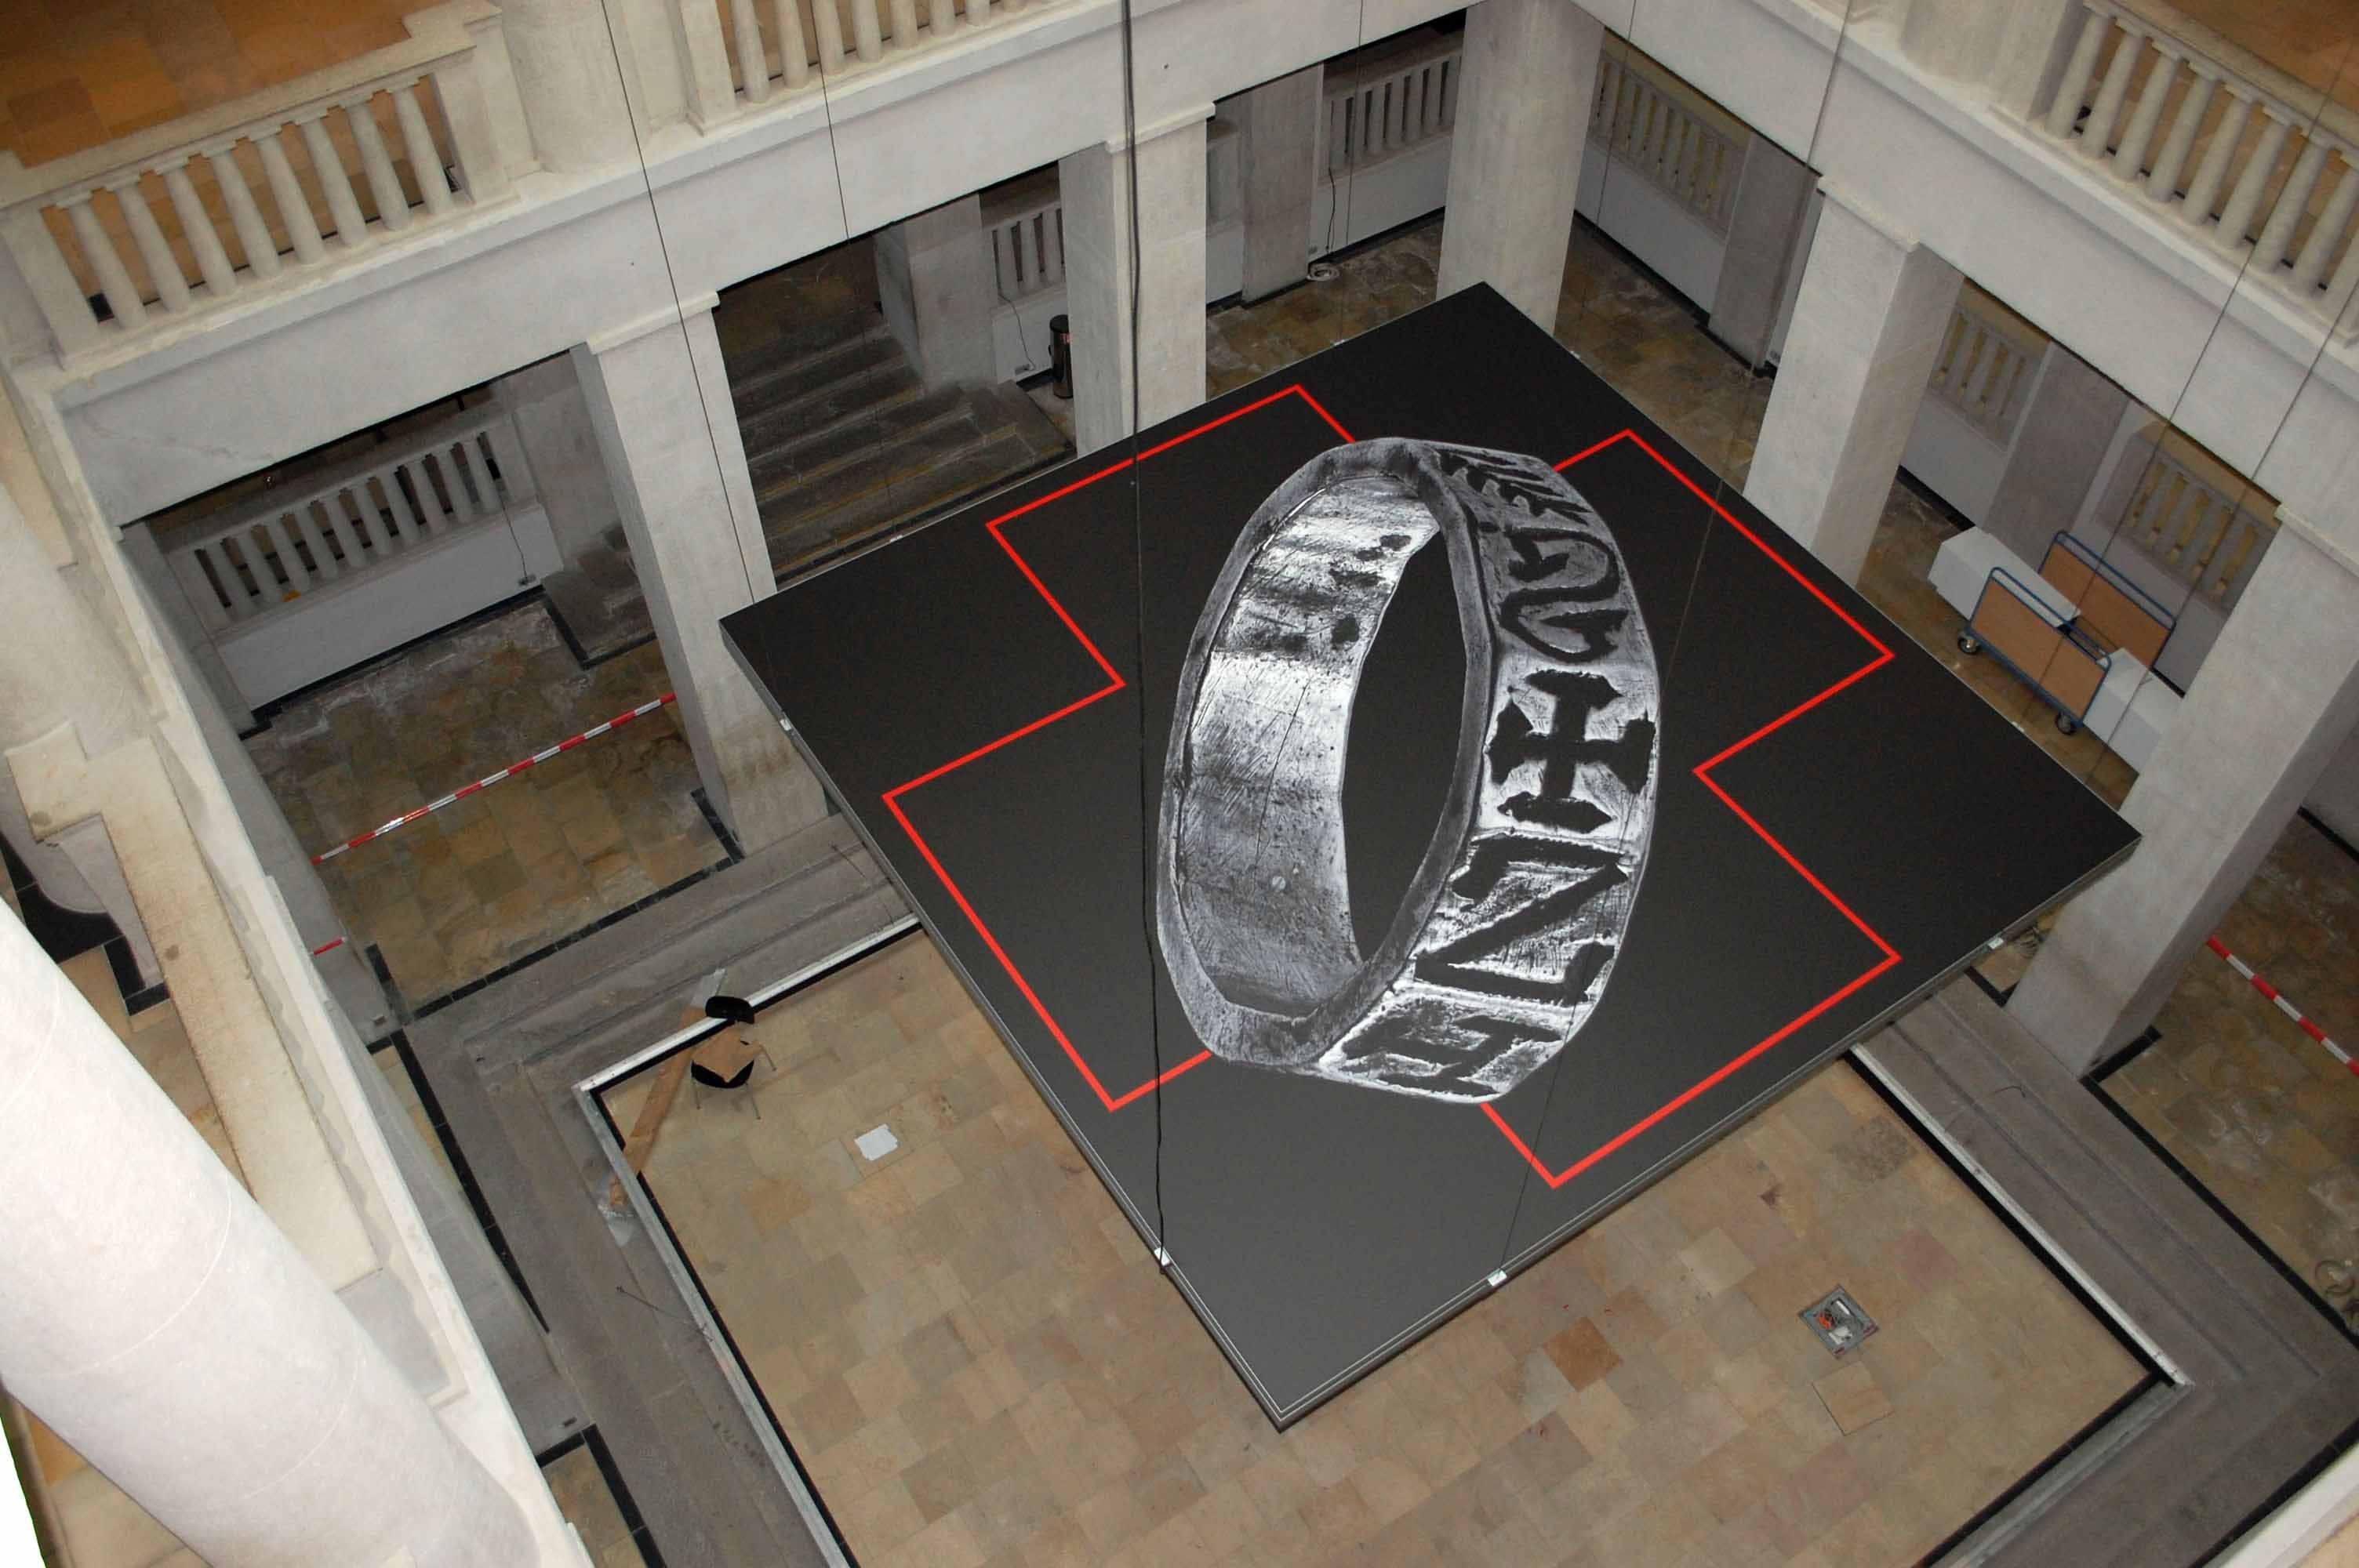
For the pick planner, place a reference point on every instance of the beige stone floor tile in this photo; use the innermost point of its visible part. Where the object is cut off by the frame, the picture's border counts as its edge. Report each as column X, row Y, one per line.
column 507, row 871
column 1071, row 1409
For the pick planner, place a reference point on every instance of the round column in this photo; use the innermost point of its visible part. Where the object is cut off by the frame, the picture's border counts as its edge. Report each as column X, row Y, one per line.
column 154, row 1316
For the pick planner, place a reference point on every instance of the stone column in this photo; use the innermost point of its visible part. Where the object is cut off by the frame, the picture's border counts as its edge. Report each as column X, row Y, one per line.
column 687, row 505
column 1867, row 327
column 1773, row 197
column 1514, row 152
column 1170, row 357
column 155, row 1317
column 934, row 276
column 2278, row 695
column 1278, row 164
column 552, row 426
column 571, row 82
column 2065, row 435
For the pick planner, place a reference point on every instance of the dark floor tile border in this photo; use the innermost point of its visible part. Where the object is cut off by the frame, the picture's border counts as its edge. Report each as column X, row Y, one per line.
column 399, row 1042
column 2153, row 1380
column 267, row 713
column 729, row 845
column 582, row 656
column 2337, row 839
column 2212, row 1200
column 2260, row 1391
column 2016, row 1229
column 2108, row 1065
column 590, row 1437
column 671, row 1237
column 2342, row 1443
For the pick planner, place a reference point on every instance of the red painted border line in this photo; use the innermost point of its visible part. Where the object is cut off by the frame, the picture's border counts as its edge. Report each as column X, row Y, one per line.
column 1702, row 772
column 1115, row 682
column 464, row 791
column 2301, row 1020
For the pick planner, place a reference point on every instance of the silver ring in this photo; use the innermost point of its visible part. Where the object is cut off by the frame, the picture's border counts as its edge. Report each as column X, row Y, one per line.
column 1503, row 945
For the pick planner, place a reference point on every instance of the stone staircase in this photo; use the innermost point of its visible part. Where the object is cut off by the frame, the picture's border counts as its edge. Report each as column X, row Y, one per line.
column 845, row 443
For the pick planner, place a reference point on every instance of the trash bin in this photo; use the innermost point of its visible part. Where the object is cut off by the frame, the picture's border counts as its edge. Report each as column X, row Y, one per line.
column 1060, row 356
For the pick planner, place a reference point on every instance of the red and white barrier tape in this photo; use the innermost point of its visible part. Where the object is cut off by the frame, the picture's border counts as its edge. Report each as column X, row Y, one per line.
column 331, row 944
column 2270, row 991
column 464, row 791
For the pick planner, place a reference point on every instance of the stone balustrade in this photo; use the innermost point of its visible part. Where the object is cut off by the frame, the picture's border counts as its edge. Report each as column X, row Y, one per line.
column 2192, row 517
column 170, row 222
column 2259, row 165
column 329, row 527
column 1669, row 135
column 739, row 54
column 1028, row 247
column 1386, row 99
column 1989, row 360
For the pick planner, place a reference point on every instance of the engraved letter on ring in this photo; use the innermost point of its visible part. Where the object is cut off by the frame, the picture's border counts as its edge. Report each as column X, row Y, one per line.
column 1503, row 945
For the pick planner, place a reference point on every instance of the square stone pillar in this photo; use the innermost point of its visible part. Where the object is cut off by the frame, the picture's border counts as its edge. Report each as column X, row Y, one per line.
column 934, row 278
column 1514, row 151
column 2277, row 696
column 1278, row 157
column 687, row 505
column 1169, row 361
column 1868, row 325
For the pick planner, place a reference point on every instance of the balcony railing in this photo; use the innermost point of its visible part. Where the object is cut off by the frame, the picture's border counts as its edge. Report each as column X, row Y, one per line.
column 1670, row 135
column 1986, row 366
column 2193, row 516
column 739, row 54
column 324, row 528
column 2259, row 166
column 172, row 222
column 1387, row 99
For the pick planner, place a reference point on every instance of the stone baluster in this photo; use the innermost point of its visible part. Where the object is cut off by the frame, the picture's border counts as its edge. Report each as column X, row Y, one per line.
column 405, row 525
column 2097, row 131
column 2344, row 285
column 978, row 11
column 794, row 51
column 944, row 17
column 905, row 23
column 2129, row 157
column 344, row 206
column 252, row 234
column 417, row 143
column 323, row 559
column 829, row 25
column 2292, row 203
column 2212, row 172
column 2333, row 220
column 376, row 164
column 163, row 267
column 1413, row 103
column 290, row 559
column 868, row 42
column 2237, row 216
column 197, row 227
column 331, row 507
column 2162, row 183
column 753, row 63
column 2072, row 88
column 286, row 195
column 114, row 277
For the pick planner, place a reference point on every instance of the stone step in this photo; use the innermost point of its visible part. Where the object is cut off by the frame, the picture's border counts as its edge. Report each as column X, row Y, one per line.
column 807, row 376
column 806, row 524
column 813, row 454
column 601, row 619
column 748, row 366
column 855, row 396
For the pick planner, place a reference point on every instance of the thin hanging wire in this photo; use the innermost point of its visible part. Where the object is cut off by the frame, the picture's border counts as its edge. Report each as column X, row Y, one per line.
column 671, row 273
column 2154, row 459
column 1666, row 662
